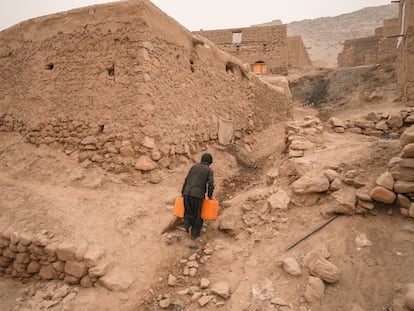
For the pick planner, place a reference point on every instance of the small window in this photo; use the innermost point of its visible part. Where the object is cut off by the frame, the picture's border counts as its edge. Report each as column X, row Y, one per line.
column 237, row 37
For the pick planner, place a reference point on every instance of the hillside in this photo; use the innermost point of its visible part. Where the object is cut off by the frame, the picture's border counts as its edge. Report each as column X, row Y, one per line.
column 324, row 36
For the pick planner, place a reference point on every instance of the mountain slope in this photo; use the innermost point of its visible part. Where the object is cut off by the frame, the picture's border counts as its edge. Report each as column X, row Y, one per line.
column 325, row 35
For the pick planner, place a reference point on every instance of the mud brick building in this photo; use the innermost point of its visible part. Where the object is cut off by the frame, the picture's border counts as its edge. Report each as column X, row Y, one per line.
column 406, row 51
column 298, row 56
column 377, row 49
column 266, row 48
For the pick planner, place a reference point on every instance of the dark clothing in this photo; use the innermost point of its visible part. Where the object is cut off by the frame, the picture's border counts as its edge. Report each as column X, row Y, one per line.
column 199, row 180
column 192, row 212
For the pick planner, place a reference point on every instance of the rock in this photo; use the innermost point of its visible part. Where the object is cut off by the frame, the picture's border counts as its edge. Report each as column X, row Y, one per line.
column 86, row 282
column 279, row 200
column 301, row 145
column 325, row 270
column 101, row 268
column 403, row 201
column 331, row 174
column 362, row 240
column 366, row 204
column 172, row 280
column 395, row 120
column 310, row 184
column 408, row 151
column 66, row 251
column 386, row 180
column 409, row 297
column 148, row 142
column 204, row 300
column 291, row 266
column 406, row 162
column 356, row 307
column 408, row 136
column 404, row 186
column 92, row 256
column 221, row 289
column 400, row 173
column 335, row 185
column 383, row 195
column 315, row 290
column 117, row 281
column 364, row 194
column 313, row 255
column 75, row 268
column 164, row 303
column 228, row 223
column 271, row 175
column 264, row 290
column 144, row 163
column 277, row 301
column 33, row 267
column 364, row 124
column 204, row 283
column 345, row 200
column 336, row 122
column 48, row 273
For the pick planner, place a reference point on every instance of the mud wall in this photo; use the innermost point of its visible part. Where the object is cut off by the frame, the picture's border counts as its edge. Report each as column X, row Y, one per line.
column 125, row 87
column 406, row 51
column 267, row 44
column 359, row 52
column 298, row 56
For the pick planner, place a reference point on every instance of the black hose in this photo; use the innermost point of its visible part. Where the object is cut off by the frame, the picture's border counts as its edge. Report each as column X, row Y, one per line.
column 314, row 231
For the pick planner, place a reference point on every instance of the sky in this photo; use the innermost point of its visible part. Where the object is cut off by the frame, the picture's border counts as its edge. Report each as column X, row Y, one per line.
column 195, row 14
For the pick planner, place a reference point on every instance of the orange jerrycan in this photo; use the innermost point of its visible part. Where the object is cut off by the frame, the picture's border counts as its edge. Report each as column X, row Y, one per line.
column 179, row 207
column 209, row 210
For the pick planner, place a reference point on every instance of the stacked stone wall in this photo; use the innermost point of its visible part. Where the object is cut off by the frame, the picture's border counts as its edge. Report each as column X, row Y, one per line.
column 298, row 57
column 268, row 44
column 387, row 46
column 380, row 124
column 396, row 185
column 95, row 145
column 44, row 257
column 359, row 52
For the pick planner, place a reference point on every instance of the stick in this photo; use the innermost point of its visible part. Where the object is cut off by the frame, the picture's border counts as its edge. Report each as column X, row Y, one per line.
column 173, row 222
column 314, row 231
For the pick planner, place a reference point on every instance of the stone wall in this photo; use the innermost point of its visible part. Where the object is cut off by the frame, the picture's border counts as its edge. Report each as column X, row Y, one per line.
column 359, row 52
column 396, row 185
column 44, row 257
column 266, row 44
column 387, row 46
column 298, row 56
column 377, row 49
column 406, row 52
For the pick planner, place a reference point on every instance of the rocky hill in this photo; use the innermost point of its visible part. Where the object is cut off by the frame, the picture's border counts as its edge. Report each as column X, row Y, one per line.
column 324, row 36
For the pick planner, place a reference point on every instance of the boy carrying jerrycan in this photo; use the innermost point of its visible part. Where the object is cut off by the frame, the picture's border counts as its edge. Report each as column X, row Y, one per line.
column 198, row 182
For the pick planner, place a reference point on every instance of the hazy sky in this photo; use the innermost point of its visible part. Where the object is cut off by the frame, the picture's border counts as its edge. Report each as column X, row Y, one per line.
column 196, row 14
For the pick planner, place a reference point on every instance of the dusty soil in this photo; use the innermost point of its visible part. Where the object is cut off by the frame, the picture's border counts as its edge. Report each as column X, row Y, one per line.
column 44, row 191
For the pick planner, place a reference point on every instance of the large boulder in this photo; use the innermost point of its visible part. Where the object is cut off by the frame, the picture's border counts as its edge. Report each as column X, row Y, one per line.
column 310, row 184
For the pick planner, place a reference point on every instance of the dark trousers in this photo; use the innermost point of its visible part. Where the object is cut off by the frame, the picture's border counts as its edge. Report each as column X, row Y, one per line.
column 192, row 215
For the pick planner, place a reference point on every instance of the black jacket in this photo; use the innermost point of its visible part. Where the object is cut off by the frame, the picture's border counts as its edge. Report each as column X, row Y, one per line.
column 199, row 180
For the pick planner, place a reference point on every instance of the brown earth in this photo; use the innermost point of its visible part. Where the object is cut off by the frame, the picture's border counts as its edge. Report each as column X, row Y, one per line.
column 44, row 190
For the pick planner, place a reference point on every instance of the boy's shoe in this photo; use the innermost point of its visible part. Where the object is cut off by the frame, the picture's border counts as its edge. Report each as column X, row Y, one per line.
column 183, row 228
